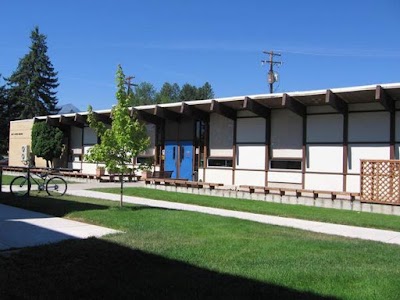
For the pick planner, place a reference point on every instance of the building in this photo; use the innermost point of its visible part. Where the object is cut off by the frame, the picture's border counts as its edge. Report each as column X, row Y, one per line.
column 311, row 140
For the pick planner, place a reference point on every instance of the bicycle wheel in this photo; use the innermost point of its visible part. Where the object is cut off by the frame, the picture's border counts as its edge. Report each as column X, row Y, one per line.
column 20, row 186
column 56, row 186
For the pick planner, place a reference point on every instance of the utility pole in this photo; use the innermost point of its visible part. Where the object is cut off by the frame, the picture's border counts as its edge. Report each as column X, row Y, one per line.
column 129, row 84
column 271, row 75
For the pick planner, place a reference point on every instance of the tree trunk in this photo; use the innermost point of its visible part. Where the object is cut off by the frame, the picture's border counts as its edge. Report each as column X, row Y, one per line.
column 121, row 179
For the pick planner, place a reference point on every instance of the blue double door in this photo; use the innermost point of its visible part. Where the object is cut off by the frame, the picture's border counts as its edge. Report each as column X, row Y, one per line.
column 179, row 159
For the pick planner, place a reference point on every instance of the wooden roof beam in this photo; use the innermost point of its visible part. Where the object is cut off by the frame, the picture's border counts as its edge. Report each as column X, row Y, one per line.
column 145, row 117
column 223, row 110
column 194, row 113
column 256, row 108
column 78, row 118
column 384, row 99
column 69, row 121
column 294, row 105
column 52, row 121
column 164, row 113
column 102, row 118
column 336, row 102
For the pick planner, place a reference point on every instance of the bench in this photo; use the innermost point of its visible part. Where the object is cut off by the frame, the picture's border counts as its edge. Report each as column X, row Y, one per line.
column 300, row 192
column 182, row 183
column 161, row 174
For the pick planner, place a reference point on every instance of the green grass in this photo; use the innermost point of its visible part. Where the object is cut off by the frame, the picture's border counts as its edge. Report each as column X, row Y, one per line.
column 176, row 254
column 6, row 179
column 337, row 216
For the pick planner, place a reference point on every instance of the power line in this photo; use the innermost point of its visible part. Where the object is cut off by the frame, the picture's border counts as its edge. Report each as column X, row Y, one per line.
column 272, row 76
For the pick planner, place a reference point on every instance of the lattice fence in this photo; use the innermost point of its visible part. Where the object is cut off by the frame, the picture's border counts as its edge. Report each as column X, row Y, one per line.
column 380, row 181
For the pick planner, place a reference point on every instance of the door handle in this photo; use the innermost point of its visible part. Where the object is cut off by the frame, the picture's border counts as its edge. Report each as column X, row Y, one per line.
column 173, row 153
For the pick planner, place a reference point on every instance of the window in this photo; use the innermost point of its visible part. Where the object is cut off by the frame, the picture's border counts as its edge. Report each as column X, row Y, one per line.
column 220, row 162
column 286, row 164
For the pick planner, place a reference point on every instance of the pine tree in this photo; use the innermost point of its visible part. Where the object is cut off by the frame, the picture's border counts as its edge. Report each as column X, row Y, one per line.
column 4, row 120
column 32, row 86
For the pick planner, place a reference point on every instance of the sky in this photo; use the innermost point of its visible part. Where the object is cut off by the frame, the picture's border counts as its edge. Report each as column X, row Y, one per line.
column 323, row 44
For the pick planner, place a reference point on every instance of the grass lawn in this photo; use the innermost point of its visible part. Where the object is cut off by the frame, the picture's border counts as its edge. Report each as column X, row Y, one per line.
column 175, row 254
column 6, row 179
column 284, row 210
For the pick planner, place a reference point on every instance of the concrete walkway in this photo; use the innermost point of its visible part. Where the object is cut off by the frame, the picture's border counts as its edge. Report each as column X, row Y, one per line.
column 22, row 228
column 378, row 235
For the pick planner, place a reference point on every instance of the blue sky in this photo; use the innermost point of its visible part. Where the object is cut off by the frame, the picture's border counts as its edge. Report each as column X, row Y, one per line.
column 324, row 44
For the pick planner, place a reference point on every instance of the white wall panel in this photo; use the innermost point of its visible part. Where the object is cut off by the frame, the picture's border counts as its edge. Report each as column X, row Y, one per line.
column 89, row 168
column 285, row 177
column 219, row 176
column 250, row 130
column 324, row 158
column 250, row 157
column 286, row 134
column 353, row 183
column 326, row 182
column 357, row 152
column 325, row 128
column 200, row 173
column 221, row 136
column 76, row 137
column 369, row 127
column 249, row 178
column 89, row 136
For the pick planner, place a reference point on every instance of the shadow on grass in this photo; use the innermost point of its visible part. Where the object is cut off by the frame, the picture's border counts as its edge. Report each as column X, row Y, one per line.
column 94, row 268
column 59, row 207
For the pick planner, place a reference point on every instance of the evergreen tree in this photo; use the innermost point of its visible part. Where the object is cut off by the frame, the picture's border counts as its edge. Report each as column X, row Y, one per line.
column 144, row 94
column 205, row 92
column 33, row 84
column 168, row 93
column 188, row 92
column 4, row 120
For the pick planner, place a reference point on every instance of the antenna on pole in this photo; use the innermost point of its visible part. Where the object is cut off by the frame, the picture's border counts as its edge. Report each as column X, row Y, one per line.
column 129, row 83
column 272, row 76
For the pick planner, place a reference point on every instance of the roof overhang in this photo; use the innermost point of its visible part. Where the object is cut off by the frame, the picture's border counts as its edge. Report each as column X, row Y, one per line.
column 260, row 105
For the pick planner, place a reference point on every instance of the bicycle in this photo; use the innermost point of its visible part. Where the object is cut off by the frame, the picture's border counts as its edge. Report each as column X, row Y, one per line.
column 54, row 186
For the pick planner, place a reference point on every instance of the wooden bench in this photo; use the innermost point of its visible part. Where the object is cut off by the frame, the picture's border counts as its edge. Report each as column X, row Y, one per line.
column 161, row 174
column 300, row 192
column 182, row 183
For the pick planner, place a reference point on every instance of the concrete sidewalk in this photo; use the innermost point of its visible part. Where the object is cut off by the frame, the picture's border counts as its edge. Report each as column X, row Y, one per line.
column 378, row 235
column 22, row 228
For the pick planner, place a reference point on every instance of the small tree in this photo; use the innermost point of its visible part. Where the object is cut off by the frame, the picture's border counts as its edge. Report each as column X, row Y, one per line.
column 47, row 141
column 126, row 138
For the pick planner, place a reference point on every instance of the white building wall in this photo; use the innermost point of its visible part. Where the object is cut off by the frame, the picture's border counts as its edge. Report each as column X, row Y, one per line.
column 369, row 127
column 219, row 176
column 221, row 136
column 250, row 178
column 369, row 151
column 324, row 158
column 250, row 157
column 326, row 182
column 285, row 177
column 286, row 134
column 353, row 183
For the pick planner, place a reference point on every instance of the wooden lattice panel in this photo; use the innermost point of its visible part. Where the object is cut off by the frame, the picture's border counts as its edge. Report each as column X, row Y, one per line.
column 380, row 181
